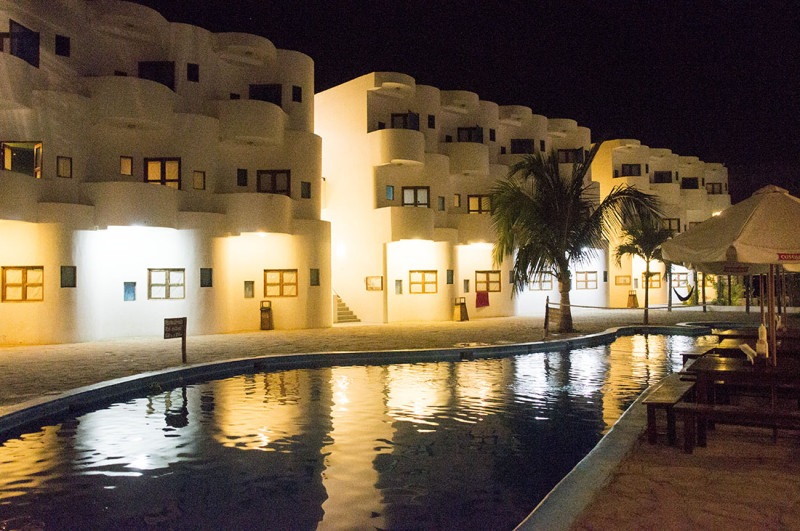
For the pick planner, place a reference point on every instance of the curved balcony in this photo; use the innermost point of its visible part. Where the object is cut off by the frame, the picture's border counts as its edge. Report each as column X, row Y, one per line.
column 245, row 49
column 514, row 114
column 71, row 215
column 718, row 202
column 693, row 196
column 669, row 193
column 561, row 127
column 19, row 81
column 459, row 101
column 473, row 228
column 406, row 223
column 393, row 84
column 130, row 102
column 19, row 194
column 131, row 203
column 397, row 146
column 254, row 212
column 131, row 21
column 468, row 158
column 251, row 122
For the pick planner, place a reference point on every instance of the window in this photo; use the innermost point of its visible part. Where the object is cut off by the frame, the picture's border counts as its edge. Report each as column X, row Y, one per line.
column 655, row 279
column 714, row 188
column 662, row 177
column 235, row 96
column 280, row 282
column 416, row 196
column 206, row 277
column 502, row 150
column 521, row 145
column 166, row 283
column 647, row 168
column 449, row 276
column 487, row 281
column 491, row 135
column 690, row 183
column 466, row 285
column 673, row 224
column 586, row 280
column 381, row 125
column 23, row 284
column 622, row 280
column 305, row 189
column 431, row 121
column 159, row 71
column 389, row 192
column 631, row 170
column 69, row 277
column 22, row 157
column 269, row 93
column 166, row 172
column 120, row 73
column 478, row 204
column 129, row 291
column 541, row 146
column 199, row 180
column 241, row 177
column 193, row 72
column 64, row 167
column 710, row 280
column 249, row 289
column 680, row 280
column 398, row 287
column 456, row 200
column 422, row 282
column 441, row 203
column 541, row 282
column 374, row 283
column 297, row 93
column 570, row 156
column 408, row 120
column 24, row 43
column 448, row 138
column 314, row 277
column 62, row 46
column 275, row 182
column 470, row 134
column 126, row 165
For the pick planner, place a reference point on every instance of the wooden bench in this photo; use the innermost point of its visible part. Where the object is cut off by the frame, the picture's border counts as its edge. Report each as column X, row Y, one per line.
column 695, row 417
column 668, row 393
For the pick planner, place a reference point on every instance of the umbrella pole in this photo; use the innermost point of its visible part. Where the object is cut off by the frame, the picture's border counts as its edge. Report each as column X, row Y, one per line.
column 705, row 308
column 761, row 295
column 771, row 313
column 747, row 282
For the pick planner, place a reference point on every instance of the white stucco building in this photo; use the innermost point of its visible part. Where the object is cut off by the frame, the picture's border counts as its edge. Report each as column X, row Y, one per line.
column 408, row 170
column 690, row 191
column 150, row 170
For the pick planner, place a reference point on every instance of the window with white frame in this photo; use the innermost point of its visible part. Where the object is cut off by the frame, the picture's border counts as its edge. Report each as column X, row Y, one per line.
column 680, row 280
column 280, row 282
column 166, row 283
column 655, row 279
column 64, row 167
column 23, row 283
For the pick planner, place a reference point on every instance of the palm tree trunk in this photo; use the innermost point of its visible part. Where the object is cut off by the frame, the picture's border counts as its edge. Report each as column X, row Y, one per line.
column 646, row 290
column 566, row 310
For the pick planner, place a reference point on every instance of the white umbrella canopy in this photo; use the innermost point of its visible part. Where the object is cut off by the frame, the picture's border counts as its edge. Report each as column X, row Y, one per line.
column 745, row 238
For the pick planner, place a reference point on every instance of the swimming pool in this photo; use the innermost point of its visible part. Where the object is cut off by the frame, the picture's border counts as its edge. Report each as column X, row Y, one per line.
column 467, row 445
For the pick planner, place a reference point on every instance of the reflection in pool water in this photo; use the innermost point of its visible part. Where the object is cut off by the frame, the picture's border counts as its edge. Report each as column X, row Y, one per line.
column 467, row 445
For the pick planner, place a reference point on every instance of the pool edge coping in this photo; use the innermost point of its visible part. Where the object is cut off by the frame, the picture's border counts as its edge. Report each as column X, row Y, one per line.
column 558, row 510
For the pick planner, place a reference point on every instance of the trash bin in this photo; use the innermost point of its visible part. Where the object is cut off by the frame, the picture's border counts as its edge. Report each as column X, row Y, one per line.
column 266, row 315
column 633, row 300
column 460, row 309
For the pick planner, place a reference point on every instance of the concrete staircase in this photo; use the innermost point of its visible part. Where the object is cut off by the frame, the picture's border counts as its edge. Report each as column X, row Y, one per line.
column 343, row 313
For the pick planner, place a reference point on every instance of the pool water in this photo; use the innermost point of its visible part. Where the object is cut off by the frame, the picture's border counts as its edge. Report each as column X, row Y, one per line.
column 447, row 445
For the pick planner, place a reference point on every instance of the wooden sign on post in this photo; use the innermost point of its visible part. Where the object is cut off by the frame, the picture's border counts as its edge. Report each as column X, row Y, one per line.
column 176, row 328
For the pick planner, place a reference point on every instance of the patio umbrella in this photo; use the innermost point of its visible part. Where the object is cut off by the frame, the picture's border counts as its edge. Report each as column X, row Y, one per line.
column 750, row 237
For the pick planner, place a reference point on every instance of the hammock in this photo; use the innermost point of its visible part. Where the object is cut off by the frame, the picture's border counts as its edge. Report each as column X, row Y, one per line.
column 686, row 298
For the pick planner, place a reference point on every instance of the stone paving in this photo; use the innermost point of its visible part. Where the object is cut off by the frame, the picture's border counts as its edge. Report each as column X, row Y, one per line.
column 741, row 480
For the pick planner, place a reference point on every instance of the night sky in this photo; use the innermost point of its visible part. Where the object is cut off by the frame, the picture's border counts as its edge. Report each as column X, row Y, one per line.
column 718, row 80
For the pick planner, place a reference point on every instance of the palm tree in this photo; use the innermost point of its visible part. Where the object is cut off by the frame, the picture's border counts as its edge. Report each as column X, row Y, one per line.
column 548, row 221
column 643, row 238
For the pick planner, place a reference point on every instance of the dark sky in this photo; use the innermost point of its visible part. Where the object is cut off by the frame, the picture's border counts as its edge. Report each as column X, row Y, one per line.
column 718, row 80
